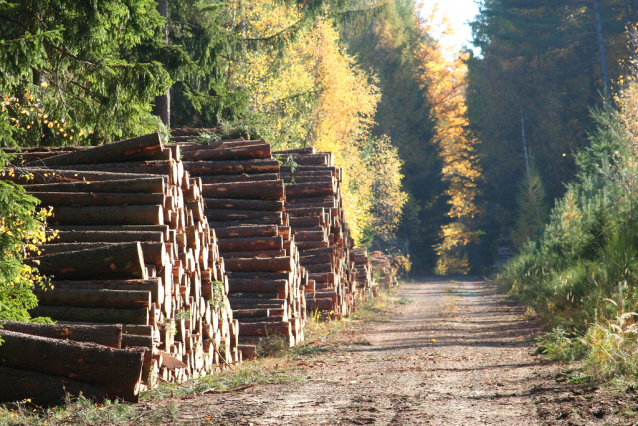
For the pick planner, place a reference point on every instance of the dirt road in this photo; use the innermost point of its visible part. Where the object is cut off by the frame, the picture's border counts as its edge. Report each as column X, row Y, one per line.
column 458, row 354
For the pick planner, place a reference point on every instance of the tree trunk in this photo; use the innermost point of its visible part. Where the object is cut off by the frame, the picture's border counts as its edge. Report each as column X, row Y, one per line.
column 118, row 261
column 303, row 245
column 260, row 190
column 85, row 199
column 148, row 185
column 93, row 315
column 154, row 285
column 311, row 236
column 249, row 254
column 135, row 167
column 107, row 335
column 243, row 216
column 232, row 204
column 258, row 286
column 306, row 190
column 265, row 329
column 126, row 150
column 246, row 231
column 102, row 237
column 275, row 264
column 239, row 178
column 34, row 176
column 224, row 154
column 305, row 221
column 602, row 56
column 248, row 244
column 109, row 215
column 117, row 370
column 44, row 389
column 197, row 168
column 91, row 298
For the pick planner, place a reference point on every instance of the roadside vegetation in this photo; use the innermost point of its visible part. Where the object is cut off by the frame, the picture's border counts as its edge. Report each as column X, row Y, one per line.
column 581, row 277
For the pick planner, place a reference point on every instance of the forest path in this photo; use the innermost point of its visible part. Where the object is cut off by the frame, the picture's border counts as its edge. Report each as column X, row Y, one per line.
column 458, row 354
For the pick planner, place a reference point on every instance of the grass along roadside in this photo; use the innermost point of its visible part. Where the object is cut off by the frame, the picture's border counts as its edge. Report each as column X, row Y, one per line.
column 278, row 364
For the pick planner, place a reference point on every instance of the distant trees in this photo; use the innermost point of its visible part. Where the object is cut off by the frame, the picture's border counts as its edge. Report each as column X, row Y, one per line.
column 544, row 65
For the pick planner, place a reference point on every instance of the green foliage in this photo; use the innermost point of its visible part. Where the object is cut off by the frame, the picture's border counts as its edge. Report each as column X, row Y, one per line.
column 559, row 346
column 99, row 59
column 20, row 228
column 532, row 209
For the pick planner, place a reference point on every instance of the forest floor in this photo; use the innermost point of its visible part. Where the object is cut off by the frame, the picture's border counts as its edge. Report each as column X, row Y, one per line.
column 445, row 352
column 451, row 352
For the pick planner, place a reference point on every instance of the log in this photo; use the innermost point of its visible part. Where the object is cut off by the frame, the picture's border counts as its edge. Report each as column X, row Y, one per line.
column 253, row 303
column 307, row 150
column 261, row 151
column 308, row 221
column 44, row 389
column 325, row 304
column 109, row 215
column 310, row 211
column 259, row 295
column 246, row 231
column 243, row 285
column 260, row 190
column 257, row 313
column 304, row 245
column 249, row 254
column 118, row 261
column 275, row 264
column 233, row 204
column 32, row 176
column 203, row 168
column 93, row 315
column 104, row 237
column 265, row 329
column 320, row 159
column 144, row 185
column 126, row 150
column 243, row 216
column 60, row 199
column 138, row 167
column 154, row 252
column 248, row 351
column 153, row 285
column 136, row 341
column 118, row 370
column 250, row 244
column 155, row 228
column 311, row 236
column 300, row 169
column 93, row 298
column 107, row 335
column 306, row 173
column 239, row 178
column 261, row 275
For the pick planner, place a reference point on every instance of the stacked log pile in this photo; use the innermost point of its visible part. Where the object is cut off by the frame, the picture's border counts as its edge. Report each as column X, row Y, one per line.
column 132, row 247
column 244, row 204
column 383, row 269
column 317, row 219
column 362, row 269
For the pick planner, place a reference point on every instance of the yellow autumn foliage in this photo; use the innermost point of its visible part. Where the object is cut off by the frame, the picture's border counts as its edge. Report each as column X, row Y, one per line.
column 443, row 76
column 314, row 94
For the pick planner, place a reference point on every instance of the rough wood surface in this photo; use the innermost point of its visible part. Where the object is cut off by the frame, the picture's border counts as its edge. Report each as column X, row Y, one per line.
column 59, row 199
column 107, row 335
column 109, row 215
column 126, row 150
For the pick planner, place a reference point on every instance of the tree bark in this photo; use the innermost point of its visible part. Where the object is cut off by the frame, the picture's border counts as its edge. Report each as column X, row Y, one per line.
column 265, row 329
column 108, row 215
column 249, row 244
column 309, row 190
column 126, row 150
column 92, row 298
column 102, row 237
column 35, row 176
column 148, row 185
column 154, row 285
column 258, row 286
column 85, row 199
column 223, row 154
column 92, row 315
column 118, row 370
column 275, row 264
column 135, row 167
column 107, row 335
column 234, row 204
column 305, row 221
column 260, row 190
column 197, row 168
column 254, row 253
column 239, row 178
column 246, row 231
column 118, row 261
column 311, row 236
column 44, row 389
column 243, row 216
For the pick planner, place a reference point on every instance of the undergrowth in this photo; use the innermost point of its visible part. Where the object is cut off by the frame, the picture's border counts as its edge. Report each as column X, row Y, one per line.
column 581, row 277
